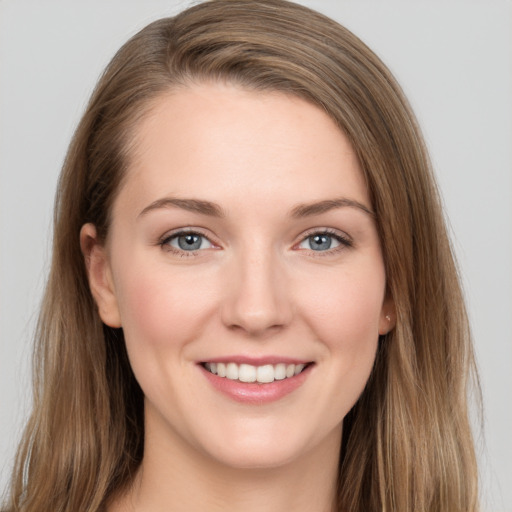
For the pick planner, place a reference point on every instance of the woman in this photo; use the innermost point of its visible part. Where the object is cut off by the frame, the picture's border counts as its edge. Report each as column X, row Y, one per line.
column 253, row 302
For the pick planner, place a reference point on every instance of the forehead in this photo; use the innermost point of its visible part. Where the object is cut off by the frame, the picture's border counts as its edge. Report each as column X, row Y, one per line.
column 219, row 142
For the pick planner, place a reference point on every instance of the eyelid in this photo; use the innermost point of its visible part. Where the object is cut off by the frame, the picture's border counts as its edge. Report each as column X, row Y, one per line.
column 164, row 240
column 174, row 241
column 343, row 238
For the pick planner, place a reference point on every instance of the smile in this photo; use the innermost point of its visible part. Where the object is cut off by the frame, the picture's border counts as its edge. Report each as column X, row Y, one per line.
column 263, row 374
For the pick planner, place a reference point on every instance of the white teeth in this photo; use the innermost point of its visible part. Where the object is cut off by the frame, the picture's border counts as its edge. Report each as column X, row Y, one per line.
column 248, row 373
column 232, row 371
column 265, row 373
column 299, row 368
column 221, row 369
column 280, row 371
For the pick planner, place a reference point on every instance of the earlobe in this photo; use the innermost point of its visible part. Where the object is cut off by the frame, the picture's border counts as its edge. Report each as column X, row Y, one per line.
column 387, row 320
column 100, row 276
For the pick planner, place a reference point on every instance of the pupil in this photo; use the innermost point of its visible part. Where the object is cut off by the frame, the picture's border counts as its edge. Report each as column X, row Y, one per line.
column 321, row 242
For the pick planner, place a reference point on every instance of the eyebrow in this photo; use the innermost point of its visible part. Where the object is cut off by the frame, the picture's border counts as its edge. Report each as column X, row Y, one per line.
column 191, row 205
column 214, row 210
column 310, row 209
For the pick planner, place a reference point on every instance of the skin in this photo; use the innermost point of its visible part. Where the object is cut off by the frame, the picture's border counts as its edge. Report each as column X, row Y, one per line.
column 255, row 288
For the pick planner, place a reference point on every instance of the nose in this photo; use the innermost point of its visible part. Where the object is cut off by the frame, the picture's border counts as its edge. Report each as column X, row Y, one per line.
column 257, row 296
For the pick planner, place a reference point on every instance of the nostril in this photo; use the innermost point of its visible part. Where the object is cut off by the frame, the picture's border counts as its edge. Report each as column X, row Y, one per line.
column 256, row 329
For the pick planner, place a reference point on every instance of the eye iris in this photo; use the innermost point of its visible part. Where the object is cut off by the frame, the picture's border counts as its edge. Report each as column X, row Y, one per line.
column 320, row 242
column 189, row 242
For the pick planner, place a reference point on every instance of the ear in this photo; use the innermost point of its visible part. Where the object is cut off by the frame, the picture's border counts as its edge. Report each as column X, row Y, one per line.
column 387, row 319
column 100, row 276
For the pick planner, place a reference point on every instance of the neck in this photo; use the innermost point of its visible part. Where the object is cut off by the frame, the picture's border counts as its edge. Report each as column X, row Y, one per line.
column 177, row 477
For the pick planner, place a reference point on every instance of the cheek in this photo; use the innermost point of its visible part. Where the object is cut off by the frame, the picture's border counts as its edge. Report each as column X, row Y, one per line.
column 345, row 316
column 160, row 308
column 162, row 313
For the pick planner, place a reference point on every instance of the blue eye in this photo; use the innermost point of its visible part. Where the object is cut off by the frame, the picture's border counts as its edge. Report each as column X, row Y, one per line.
column 188, row 242
column 323, row 241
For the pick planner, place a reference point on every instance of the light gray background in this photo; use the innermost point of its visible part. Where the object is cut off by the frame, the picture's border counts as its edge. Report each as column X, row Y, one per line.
column 454, row 60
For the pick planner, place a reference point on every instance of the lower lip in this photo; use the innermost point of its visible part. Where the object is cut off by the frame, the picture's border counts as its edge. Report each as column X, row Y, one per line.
column 254, row 392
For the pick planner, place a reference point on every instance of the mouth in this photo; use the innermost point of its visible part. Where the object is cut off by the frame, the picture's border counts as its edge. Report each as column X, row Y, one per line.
column 247, row 373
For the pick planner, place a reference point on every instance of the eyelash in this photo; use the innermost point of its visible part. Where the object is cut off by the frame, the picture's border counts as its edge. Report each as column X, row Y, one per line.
column 165, row 242
column 344, row 241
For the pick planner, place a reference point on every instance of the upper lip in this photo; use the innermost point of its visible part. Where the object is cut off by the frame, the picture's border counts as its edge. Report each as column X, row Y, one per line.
column 256, row 360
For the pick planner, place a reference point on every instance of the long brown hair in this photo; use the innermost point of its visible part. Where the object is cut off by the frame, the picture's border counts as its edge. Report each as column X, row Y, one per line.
column 407, row 444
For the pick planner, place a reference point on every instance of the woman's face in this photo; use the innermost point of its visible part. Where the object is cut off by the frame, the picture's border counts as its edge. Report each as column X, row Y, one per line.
column 242, row 242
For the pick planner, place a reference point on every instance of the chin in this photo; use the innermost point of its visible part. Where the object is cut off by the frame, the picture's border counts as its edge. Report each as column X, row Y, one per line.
column 254, row 457
column 260, row 446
